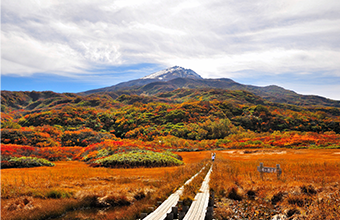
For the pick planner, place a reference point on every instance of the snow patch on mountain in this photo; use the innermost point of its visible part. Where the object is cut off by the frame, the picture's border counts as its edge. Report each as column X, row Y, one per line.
column 172, row 73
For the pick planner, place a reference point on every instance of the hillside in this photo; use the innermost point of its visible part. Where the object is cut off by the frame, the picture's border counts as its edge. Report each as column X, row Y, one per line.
column 190, row 108
column 171, row 112
column 178, row 78
column 40, row 101
column 66, row 126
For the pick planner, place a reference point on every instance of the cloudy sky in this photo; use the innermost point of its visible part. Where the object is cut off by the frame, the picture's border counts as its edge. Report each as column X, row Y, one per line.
column 73, row 46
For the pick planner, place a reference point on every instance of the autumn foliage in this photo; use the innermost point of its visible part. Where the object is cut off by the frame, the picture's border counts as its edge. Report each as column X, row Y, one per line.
column 85, row 134
column 182, row 120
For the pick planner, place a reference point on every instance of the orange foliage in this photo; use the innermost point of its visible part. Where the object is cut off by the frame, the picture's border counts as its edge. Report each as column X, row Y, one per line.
column 50, row 153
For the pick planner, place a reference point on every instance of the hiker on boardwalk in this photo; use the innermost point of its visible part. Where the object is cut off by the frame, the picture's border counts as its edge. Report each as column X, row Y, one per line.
column 213, row 155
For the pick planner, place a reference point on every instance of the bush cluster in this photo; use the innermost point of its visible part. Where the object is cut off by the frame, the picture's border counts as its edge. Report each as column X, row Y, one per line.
column 22, row 162
column 139, row 159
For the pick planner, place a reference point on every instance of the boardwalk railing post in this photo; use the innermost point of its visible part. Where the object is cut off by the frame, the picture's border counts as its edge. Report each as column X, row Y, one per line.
column 278, row 171
column 209, row 214
column 143, row 215
column 211, row 199
column 174, row 211
column 169, row 216
column 183, row 212
column 185, row 208
column 181, row 215
column 261, row 172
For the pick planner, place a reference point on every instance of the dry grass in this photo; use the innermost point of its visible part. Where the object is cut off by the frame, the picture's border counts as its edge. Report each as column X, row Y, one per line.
column 309, row 187
column 54, row 190
column 191, row 189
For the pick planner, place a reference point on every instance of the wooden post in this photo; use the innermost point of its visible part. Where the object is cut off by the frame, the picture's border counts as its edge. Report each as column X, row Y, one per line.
column 278, row 171
column 211, row 201
column 181, row 215
column 209, row 213
column 211, row 198
column 143, row 215
column 174, row 211
column 185, row 209
column 261, row 172
column 169, row 216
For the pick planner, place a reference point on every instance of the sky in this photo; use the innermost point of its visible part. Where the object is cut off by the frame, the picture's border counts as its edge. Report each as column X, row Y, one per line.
column 74, row 46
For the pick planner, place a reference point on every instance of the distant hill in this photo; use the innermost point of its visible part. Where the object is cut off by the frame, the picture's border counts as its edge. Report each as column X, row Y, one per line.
column 161, row 76
column 30, row 100
column 172, row 85
column 40, row 101
column 178, row 78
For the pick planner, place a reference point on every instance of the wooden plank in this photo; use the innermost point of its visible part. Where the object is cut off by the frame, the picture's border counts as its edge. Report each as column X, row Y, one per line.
column 199, row 206
column 162, row 210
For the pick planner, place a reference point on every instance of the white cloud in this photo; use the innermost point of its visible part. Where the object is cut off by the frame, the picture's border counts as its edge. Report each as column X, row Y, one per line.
column 215, row 38
column 23, row 55
column 274, row 61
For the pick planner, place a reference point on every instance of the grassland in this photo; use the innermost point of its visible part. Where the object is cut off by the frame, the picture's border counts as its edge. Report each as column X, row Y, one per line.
column 43, row 192
column 87, row 136
column 308, row 188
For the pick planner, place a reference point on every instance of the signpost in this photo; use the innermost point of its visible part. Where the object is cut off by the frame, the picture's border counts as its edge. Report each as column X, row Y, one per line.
column 276, row 170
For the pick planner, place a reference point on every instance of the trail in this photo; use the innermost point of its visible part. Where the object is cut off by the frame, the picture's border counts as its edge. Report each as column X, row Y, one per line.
column 198, row 207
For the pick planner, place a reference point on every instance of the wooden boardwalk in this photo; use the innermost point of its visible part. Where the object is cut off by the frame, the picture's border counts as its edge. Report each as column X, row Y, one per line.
column 199, row 206
column 166, row 207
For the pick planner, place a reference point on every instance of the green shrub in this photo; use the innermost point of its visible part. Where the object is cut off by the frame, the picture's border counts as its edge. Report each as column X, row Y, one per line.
column 21, row 162
column 139, row 159
column 57, row 194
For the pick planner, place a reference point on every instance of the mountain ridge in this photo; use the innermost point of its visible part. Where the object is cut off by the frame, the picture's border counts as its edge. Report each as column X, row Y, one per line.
column 160, row 76
column 151, row 87
column 177, row 77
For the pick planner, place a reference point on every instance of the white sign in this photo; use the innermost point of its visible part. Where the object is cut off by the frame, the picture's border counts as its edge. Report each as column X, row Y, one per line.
column 263, row 169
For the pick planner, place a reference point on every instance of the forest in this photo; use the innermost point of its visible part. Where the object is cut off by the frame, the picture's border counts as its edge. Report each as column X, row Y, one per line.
column 62, row 126
column 115, row 155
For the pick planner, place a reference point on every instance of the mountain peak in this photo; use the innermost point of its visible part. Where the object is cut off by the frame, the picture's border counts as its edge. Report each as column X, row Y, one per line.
column 172, row 73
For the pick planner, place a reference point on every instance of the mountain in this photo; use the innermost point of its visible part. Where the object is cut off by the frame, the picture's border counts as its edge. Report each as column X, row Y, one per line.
column 161, row 76
column 177, row 78
column 173, row 73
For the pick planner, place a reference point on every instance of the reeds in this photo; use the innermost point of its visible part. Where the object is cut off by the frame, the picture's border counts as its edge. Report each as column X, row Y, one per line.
column 54, row 191
column 308, row 188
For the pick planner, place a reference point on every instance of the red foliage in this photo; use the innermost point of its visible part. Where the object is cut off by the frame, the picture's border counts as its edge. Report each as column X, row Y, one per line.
column 16, row 150
column 50, row 153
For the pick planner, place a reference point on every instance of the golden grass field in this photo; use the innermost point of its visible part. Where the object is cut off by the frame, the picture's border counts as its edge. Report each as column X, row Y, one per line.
column 37, row 193
column 309, row 187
